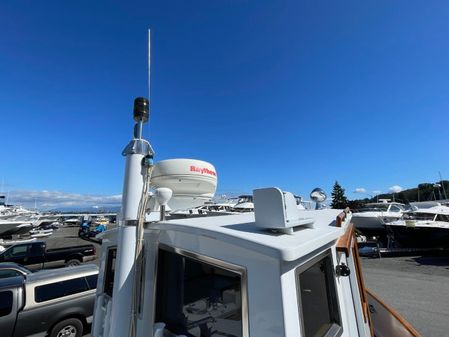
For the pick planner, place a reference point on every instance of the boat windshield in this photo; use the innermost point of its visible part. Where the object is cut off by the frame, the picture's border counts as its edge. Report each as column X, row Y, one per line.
column 245, row 198
column 375, row 208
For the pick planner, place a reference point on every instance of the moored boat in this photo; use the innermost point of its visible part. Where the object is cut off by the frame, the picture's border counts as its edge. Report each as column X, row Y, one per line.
column 422, row 228
column 372, row 218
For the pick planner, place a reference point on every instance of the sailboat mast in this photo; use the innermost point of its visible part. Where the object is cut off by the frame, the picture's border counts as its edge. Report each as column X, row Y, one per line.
column 442, row 184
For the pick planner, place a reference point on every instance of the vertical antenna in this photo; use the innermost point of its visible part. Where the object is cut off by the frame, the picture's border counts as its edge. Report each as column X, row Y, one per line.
column 149, row 74
column 149, row 64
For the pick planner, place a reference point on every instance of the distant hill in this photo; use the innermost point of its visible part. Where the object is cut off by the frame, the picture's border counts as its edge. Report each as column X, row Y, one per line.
column 424, row 192
column 109, row 209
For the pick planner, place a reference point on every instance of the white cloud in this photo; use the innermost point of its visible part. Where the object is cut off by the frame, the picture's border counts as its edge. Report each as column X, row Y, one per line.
column 395, row 189
column 360, row 190
column 55, row 199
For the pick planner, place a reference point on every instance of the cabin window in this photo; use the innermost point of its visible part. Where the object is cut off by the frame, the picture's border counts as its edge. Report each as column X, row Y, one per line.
column 318, row 298
column 5, row 303
column 421, row 216
column 198, row 298
column 60, row 289
column 110, row 271
column 442, row 217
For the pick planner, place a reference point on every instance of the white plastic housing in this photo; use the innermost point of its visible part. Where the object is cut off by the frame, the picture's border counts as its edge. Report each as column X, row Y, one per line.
column 274, row 209
column 192, row 181
column 163, row 195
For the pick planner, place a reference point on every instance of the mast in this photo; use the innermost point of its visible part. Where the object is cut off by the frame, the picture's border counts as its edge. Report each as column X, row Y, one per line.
column 442, row 184
column 139, row 155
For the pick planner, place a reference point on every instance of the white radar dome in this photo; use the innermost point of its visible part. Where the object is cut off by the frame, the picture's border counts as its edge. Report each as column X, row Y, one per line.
column 192, row 181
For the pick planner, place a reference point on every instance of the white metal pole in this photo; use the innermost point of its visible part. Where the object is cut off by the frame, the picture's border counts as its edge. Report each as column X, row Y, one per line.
column 136, row 152
column 124, row 278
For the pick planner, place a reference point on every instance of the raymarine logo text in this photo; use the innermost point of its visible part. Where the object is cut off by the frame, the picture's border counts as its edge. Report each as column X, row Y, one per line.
column 202, row 170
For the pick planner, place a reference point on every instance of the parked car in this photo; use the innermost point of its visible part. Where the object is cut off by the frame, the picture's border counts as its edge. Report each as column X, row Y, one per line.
column 36, row 256
column 10, row 269
column 52, row 303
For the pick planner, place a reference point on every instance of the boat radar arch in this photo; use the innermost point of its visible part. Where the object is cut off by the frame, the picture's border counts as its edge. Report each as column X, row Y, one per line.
column 192, row 181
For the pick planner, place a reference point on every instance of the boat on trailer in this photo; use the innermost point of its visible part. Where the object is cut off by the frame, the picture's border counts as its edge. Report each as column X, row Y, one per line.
column 276, row 272
column 421, row 228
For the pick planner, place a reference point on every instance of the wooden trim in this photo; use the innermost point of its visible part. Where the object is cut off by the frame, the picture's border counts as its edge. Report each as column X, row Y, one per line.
column 358, row 265
column 344, row 242
column 347, row 243
column 394, row 313
column 341, row 217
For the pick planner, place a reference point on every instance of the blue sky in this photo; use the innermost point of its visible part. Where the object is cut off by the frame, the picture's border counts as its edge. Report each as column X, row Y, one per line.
column 295, row 94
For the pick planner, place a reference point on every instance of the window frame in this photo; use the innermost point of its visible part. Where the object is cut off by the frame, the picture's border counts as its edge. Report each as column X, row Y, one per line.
column 335, row 330
column 107, row 271
column 234, row 268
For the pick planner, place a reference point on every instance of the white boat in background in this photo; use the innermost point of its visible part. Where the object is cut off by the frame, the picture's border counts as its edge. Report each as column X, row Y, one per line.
column 74, row 221
column 14, row 212
column 9, row 228
column 416, row 205
column 421, row 228
column 215, row 208
column 372, row 218
column 41, row 233
column 244, row 204
column 15, row 220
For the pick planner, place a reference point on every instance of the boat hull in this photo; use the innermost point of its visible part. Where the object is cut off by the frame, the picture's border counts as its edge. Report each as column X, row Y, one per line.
column 419, row 236
column 14, row 228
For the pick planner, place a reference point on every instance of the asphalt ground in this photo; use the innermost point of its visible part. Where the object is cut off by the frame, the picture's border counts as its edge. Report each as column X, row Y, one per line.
column 415, row 286
column 68, row 236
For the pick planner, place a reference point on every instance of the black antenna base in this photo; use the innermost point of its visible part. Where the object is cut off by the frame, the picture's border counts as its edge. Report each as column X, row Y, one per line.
column 141, row 109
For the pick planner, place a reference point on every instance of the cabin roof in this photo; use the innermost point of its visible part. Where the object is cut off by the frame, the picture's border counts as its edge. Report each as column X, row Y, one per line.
column 241, row 230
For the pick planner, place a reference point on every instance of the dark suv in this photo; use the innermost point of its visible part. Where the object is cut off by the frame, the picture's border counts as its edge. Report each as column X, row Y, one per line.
column 51, row 303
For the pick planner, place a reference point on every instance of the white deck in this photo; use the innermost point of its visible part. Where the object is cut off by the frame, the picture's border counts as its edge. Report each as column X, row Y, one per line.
column 242, row 230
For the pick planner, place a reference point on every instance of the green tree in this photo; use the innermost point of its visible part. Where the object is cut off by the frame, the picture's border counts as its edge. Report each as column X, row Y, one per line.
column 339, row 199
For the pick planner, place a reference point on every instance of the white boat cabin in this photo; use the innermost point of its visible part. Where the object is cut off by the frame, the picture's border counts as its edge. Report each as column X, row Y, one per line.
column 275, row 272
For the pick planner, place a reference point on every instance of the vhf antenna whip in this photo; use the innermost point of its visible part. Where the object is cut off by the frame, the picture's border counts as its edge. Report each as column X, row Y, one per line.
column 149, row 64
column 141, row 104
